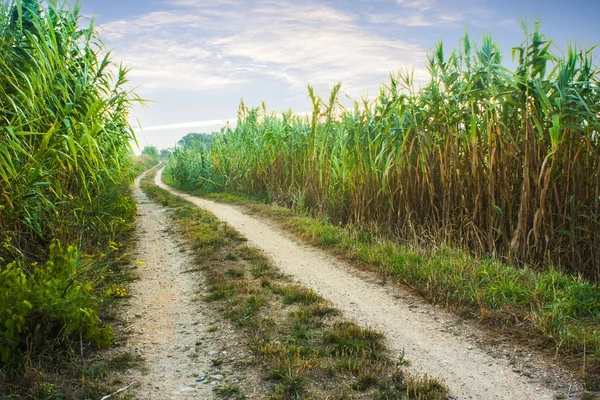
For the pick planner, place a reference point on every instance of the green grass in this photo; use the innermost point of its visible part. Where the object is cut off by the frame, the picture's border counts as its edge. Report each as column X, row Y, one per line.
column 348, row 339
column 296, row 294
column 549, row 304
column 230, row 392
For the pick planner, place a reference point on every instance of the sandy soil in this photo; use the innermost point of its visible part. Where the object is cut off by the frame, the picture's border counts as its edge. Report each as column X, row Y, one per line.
column 177, row 335
column 435, row 342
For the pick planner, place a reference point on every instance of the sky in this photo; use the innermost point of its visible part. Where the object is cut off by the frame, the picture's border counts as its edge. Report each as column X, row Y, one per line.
column 194, row 60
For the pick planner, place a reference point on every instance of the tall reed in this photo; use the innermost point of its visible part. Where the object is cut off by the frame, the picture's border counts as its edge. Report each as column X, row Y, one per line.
column 64, row 176
column 500, row 162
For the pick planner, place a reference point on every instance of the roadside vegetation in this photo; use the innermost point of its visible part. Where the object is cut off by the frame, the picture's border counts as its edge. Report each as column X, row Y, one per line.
column 148, row 158
column 304, row 348
column 481, row 190
column 65, row 206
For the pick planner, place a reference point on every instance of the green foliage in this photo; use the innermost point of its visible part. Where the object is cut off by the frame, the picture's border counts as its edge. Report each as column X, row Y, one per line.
column 64, row 129
column 151, row 151
column 64, row 179
column 149, row 157
column 54, row 298
column 197, row 139
column 192, row 168
column 501, row 162
column 14, row 308
column 165, row 154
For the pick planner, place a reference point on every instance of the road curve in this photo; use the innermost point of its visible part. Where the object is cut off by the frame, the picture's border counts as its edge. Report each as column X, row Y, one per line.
column 469, row 372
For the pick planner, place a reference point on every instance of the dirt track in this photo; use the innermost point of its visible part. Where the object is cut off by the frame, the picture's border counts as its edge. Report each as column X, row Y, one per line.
column 422, row 332
column 177, row 335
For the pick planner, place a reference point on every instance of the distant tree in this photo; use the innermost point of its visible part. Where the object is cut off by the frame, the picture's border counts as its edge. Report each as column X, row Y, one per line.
column 193, row 139
column 165, row 153
column 152, row 151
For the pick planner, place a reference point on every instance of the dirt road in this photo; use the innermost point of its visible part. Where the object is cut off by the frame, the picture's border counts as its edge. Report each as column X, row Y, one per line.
column 422, row 332
column 167, row 324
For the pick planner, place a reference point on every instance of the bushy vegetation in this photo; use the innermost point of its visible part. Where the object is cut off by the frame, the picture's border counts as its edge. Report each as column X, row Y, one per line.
column 193, row 139
column 149, row 157
column 192, row 167
column 501, row 162
column 64, row 182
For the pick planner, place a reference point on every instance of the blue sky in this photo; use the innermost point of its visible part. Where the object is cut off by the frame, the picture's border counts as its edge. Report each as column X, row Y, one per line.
column 197, row 58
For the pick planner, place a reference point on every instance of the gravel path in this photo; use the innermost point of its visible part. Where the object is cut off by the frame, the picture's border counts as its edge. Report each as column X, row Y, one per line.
column 420, row 331
column 167, row 326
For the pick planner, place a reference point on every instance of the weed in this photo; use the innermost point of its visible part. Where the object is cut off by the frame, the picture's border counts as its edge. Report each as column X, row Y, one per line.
column 349, row 339
column 227, row 392
column 425, row 388
column 234, row 273
column 291, row 382
column 366, row 381
column 296, row 294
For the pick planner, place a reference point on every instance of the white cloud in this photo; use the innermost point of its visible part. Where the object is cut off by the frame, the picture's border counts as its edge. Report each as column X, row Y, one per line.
column 421, row 13
column 204, row 45
column 419, row 4
column 194, row 124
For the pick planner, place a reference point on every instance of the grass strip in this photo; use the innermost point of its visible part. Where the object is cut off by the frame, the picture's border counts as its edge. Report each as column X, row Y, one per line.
column 303, row 346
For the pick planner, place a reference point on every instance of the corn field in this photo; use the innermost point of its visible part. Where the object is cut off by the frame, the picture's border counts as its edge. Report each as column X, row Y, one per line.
column 501, row 162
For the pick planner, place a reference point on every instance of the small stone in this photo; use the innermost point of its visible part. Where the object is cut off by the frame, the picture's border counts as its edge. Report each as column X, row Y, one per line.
column 469, row 347
column 217, row 377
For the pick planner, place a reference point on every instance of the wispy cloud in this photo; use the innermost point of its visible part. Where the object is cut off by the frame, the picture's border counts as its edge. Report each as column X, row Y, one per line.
column 435, row 13
column 193, row 124
column 204, row 45
column 420, row 4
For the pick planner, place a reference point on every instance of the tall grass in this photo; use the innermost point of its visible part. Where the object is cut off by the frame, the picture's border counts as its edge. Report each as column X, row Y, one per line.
column 192, row 166
column 64, row 176
column 500, row 162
